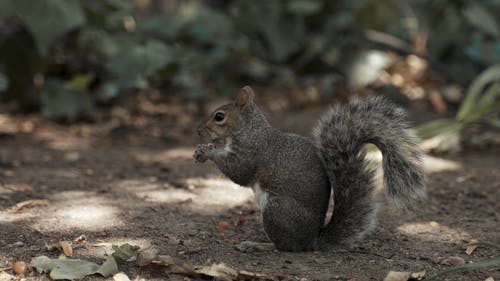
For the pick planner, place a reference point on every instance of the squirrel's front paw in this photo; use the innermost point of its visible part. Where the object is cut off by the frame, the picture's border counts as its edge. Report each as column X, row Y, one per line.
column 201, row 152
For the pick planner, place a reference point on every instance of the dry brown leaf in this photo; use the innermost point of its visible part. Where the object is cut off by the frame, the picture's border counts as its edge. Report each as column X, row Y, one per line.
column 52, row 247
column 62, row 246
column 80, row 239
column 453, row 261
column 471, row 247
column 4, row 276
column 28, row 203
column 175, row 265
column 147, row 256
column 397, row 276
column 489, row 279
column 222, row 225
column 120, row 276
column 418, row 275
column 247, row 275
column 66, row 248
column 240, row 221
column 19, row 267
column 218, row 271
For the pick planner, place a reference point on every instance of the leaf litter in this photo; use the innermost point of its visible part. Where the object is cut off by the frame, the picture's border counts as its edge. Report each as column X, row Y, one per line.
column 76, row 269
column 63, row 246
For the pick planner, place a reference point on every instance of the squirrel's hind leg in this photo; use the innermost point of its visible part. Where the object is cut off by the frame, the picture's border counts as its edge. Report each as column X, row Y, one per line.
column 290, row 225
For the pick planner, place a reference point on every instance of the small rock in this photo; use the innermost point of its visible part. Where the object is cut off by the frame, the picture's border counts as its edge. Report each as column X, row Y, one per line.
column 453, row 261
column 193, row 232
column 17, row 244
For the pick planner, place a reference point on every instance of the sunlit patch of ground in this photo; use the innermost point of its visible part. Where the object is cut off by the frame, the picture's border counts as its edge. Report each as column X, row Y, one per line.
column 179, row 153
column 205, row 195
column 431, row 164
column 434, row 231
column 79, row 210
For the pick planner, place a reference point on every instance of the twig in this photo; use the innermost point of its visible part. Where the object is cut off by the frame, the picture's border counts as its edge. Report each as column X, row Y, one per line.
column 373, row 254
column 194, row 251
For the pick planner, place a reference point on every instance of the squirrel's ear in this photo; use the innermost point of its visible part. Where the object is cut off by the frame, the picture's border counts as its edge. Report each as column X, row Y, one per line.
column 244, row 97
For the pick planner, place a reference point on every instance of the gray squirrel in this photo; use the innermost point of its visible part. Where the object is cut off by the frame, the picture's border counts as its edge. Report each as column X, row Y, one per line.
column 292, row 176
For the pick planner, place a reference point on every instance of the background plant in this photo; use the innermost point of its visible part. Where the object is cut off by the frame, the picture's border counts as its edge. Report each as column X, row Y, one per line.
column 67, row 56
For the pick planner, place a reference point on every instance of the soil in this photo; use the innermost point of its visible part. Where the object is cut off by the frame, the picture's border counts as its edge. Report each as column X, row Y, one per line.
column 131, row 187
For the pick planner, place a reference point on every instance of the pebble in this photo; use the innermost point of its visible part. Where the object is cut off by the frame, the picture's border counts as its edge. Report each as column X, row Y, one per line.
column 17, row 244
column 193, row 232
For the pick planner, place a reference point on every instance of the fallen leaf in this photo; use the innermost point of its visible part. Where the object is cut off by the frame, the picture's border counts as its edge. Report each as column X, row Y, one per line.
column 471, row 247
column 175, row 265
column 80, row 239
column 120, row 276
column 73, row 268
column 240, row 221
column 17, row 244
column 52, row 247
column 222, row 225
column 4, row 276
column 218, row 271
column 28, row 203
column 147, row 256
column 125, row 252
column 63, row 246
column 417, row 275
column 246, row 275
column 109, row 267
column 489, row 279
column 397, row 276
column 453, row 261
column 490, row 262
column 19, row 267
column 66, row 248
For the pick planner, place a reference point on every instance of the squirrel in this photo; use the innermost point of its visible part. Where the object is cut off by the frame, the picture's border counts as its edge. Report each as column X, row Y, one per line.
column 293, row 177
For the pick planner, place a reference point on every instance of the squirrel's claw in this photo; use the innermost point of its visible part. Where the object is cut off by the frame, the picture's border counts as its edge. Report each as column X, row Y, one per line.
column 200, row 154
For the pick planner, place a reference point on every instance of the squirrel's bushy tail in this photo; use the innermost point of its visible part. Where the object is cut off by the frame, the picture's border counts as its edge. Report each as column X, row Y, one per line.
column 340, row 136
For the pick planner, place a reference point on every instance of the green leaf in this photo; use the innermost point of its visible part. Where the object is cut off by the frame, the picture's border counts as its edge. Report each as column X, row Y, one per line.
column 49, row 19
column 482, row 19
column 131, row 63
column 79, row 82
column 6, row 9
column 73, row 268
column 304, row 7
column 476, row 265
column 108, row 268
column 4, row 82
column 60, row 102
column 435, row 127
column 161, row 28
column 125, row 252
column 490, row 95
column 476, row 88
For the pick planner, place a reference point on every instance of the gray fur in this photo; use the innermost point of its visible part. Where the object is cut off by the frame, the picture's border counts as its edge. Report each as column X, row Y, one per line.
column 298, row 174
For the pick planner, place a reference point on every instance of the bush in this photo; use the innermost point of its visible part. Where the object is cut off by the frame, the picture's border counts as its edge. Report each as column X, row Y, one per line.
column 88, row 52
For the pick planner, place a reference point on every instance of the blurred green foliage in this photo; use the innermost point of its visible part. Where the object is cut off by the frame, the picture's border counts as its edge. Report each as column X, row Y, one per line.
column 66, row 56
column 482, row 103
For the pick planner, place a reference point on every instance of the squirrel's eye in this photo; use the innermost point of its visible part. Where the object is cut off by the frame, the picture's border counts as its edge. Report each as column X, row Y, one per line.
column 219, row 116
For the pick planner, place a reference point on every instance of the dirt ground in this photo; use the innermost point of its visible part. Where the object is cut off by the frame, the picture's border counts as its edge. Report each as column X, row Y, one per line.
column 128, row 187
